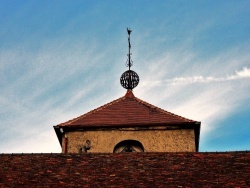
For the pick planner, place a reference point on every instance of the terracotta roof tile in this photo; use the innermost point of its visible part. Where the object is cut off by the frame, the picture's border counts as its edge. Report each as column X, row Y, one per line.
column 127, row 110
column 226, row 169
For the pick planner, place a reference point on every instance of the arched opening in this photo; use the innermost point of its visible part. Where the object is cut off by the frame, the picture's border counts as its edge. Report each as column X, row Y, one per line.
column 128, row 146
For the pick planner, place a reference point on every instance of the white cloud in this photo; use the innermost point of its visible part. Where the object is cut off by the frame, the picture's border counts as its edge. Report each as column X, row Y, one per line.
column 242, row 74
column 245, row 73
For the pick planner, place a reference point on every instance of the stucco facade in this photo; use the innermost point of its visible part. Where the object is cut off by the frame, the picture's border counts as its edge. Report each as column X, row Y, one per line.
column 104, row 141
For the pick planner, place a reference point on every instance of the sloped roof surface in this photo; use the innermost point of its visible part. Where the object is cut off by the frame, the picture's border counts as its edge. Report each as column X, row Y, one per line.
column 127, row 110
column 229, row 169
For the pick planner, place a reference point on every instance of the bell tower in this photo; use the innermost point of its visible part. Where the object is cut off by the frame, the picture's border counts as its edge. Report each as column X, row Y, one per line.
column 128, row 124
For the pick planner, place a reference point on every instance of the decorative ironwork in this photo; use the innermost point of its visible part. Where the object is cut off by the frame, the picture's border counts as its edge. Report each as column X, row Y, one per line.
column 129, row 79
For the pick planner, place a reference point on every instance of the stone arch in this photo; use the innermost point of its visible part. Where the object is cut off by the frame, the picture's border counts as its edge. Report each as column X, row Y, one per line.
column 128, row 146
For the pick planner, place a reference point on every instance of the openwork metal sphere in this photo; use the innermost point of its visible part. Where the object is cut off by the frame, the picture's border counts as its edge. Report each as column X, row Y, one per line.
column 129, row 79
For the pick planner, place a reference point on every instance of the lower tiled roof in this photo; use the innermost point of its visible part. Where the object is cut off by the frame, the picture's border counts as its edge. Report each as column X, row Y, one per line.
column 227, row 169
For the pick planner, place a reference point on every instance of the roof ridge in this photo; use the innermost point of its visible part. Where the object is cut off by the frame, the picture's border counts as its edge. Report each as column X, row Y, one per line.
column 161, row 110
column 92, row 111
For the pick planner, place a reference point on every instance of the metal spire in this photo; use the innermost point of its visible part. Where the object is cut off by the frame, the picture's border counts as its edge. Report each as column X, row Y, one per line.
column 129, row 79
column 129, row 62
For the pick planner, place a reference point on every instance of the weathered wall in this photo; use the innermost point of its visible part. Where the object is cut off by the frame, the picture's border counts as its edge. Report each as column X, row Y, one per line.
column 104, row 141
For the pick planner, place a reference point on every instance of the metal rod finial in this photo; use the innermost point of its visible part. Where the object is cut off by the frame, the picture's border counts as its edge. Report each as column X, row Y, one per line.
column 129, row 31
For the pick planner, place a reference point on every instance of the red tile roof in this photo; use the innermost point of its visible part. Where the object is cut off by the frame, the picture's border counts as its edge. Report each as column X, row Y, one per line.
column 226, row 169
column 126, row 111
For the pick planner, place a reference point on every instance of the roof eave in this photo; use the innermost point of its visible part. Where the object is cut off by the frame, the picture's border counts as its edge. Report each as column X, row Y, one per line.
column 58, row 133
column 197, row 135
column 184, row 124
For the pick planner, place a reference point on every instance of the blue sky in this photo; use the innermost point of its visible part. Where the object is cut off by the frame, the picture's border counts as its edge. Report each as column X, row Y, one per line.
column 60, row 59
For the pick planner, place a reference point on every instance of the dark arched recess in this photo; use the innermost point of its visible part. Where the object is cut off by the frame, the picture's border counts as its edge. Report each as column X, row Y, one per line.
column 128, row 146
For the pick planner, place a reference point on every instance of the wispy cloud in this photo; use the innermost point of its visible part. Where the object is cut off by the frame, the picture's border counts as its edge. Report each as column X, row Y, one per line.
column 242, row 74
column 45, row 87
column 208, row 89
column 245, row 73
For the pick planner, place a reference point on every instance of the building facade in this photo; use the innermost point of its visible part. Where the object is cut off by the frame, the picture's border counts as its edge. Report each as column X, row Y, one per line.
column 128, row 124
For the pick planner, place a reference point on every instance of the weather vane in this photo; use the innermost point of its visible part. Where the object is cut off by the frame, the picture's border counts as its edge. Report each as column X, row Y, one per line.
column 129, row 79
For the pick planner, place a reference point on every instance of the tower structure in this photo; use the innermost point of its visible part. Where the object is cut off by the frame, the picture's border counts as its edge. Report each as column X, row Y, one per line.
column 128, row 124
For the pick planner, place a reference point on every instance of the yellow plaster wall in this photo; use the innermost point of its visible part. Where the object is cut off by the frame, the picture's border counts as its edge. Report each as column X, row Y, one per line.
column 104, row 141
